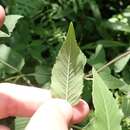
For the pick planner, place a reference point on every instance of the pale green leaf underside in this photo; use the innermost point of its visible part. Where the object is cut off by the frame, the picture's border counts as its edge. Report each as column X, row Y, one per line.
column 11, row 21
column 67, row 73
column 107, row 113
column 3, row 34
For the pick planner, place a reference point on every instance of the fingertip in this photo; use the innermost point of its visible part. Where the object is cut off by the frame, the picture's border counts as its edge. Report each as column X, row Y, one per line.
column 64, row 107
column 80, row 111
column 2, row 15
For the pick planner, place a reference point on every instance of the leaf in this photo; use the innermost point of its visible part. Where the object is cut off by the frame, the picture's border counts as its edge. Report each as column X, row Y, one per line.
column 42, row 74
column 105, row 44
column 107, row 113
column 67, row 73
column 120, row 64
column 126, row 106
column 125, row 89
column 35, row 49
column 97, row 61
column 10, row 22
column 10, row 61
column 126, row 74
column 20, row 123
column 27, row 8
column 3, row 34
column 95, row 9
column 117, row 26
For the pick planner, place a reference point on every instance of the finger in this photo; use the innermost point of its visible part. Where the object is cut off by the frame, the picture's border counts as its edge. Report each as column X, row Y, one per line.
column 18, row 100
column 2, row 15
column 80, row 111
column 53, row 115
column 2, row 127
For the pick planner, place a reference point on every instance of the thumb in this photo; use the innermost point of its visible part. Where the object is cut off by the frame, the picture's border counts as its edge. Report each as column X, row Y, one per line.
column 53, row 115
column 2, row 15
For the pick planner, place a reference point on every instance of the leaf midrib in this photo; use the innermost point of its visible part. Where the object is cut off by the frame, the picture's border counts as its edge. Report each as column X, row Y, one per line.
column 68, row 72
column 106, row 112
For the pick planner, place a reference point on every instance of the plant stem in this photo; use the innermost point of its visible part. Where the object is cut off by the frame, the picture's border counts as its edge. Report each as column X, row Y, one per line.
column 19, row 76
column 108, row 64
column 10, row 66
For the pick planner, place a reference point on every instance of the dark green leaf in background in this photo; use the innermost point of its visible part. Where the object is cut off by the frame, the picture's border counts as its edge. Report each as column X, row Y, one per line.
column 42, row 74
column 10, row 61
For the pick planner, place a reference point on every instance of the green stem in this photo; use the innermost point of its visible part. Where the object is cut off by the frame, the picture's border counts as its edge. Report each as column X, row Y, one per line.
column 19, row 76
column 10, row 66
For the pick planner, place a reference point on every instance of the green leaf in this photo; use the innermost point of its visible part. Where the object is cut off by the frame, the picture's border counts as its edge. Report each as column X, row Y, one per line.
column 120, row 64
column 107, row 114
column 67, row 73
column 11, row 21
column 126, row 106
column 125, row 89
column 126, row 74
column 35, row 49
column 10, row 61
column 20, row 123
column 42, row 74
column 105, row 44
column 3, row 34
column 97, row 61
column 117, row 26
column 28, row 7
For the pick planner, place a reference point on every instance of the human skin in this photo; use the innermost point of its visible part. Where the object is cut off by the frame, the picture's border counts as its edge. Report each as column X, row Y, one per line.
column 2, row 16
column 45, row 112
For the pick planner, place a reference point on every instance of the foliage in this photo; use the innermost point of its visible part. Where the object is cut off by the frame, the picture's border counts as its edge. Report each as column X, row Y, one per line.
column 33, row 34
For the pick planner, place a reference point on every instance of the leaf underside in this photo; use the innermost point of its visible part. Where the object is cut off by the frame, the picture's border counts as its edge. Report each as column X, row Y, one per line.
column 67, row 73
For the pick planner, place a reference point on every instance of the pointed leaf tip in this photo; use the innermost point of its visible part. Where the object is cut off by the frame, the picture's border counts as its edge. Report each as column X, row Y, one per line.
column 71, row 31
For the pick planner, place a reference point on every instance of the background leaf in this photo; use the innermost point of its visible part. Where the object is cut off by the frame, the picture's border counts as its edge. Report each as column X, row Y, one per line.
column 3, row 34
column 42, row 74
column 120, row 64
column 98, row 60
column 10, row 22
column 67, row 73
column 10, row 61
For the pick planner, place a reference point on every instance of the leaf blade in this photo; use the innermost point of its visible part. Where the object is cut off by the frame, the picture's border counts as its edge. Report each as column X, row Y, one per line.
column 11, row 21
column 67, row 73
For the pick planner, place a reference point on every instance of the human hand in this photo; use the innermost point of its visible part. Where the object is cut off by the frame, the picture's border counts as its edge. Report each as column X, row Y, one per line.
column 17, row 100
column 2, row 15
